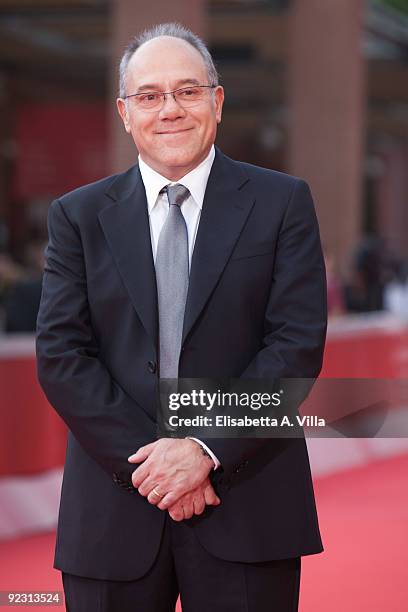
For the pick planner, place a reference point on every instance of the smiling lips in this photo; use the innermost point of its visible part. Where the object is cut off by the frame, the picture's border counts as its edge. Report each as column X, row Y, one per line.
column 167, row 132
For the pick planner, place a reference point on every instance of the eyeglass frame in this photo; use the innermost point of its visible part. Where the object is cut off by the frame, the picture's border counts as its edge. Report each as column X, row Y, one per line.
column 163, row 94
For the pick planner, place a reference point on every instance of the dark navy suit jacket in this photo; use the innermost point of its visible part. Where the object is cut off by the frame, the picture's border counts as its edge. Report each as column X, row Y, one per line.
column 256, row 308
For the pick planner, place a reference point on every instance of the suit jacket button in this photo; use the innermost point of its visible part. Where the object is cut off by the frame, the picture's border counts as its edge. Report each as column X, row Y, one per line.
column 151, row 366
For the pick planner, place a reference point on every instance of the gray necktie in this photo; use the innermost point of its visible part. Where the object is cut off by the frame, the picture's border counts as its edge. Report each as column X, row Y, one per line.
column 172, row 281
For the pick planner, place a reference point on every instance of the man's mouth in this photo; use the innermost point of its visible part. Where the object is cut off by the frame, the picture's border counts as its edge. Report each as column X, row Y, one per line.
column 174, row 131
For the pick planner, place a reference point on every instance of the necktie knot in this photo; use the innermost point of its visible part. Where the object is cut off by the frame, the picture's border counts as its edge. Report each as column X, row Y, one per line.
column 177, row 194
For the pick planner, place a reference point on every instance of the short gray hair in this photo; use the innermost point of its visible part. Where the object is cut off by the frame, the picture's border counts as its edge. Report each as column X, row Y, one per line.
column 175, row 30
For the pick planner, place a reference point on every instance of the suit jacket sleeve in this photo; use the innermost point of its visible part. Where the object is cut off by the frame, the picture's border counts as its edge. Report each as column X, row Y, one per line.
column 106, row 421
column 296, row 315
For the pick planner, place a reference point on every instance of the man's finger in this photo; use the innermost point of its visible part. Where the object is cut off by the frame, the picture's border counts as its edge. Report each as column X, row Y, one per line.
column 176, row 513
column 154, row 497
column 188, row 507
column 199, row 504
column 211, row 498
column 141, row 454
column 169, row 500
column 148, row 485
column 139, row 476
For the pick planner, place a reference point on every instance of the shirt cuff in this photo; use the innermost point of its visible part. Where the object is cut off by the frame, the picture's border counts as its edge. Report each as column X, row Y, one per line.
column 209, row 451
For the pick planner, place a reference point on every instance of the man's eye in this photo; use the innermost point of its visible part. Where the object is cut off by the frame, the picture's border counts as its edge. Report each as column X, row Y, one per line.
column 149, row 97
column 188, row 93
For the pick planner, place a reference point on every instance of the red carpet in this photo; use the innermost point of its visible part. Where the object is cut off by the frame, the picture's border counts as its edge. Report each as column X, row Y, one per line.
column 364, row 520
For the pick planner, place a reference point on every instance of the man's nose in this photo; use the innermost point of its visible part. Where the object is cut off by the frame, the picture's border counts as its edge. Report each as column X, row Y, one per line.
column 171, row 108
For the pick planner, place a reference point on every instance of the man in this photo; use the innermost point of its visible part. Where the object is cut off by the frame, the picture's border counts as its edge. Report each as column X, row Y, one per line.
column 188, row 265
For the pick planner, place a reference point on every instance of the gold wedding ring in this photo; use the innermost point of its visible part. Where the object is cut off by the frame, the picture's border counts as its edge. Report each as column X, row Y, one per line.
column 155, row 492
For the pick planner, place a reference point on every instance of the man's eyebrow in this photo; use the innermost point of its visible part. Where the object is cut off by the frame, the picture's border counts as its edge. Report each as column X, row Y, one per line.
column 156, row 87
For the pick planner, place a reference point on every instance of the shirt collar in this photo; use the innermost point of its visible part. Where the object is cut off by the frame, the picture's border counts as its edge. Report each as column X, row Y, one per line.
column 195, row 181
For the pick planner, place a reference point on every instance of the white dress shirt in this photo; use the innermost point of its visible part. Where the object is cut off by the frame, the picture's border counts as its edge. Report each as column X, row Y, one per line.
column 158, row 208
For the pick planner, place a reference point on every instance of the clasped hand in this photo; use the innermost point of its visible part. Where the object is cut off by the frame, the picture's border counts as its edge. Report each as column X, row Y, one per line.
column 173, row 475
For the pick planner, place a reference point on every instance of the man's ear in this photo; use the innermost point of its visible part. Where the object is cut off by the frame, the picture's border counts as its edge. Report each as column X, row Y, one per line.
column 123, row 112
column 219, row 101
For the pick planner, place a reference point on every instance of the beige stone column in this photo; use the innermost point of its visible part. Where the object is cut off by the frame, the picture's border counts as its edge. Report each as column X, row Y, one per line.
column 326, row 90
column 128, row 17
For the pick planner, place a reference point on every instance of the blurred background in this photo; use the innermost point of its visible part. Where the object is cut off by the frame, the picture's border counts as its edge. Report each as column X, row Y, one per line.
column 315, row 88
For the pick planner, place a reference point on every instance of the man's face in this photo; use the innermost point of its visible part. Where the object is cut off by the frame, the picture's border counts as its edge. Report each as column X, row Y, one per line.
column 172, row 140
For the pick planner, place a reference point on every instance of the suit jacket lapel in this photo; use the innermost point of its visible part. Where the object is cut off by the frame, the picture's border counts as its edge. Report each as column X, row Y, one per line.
column 126, row 227
column 225, row 210
column 127, row 231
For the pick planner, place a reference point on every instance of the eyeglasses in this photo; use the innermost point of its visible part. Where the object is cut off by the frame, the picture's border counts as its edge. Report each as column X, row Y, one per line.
column 186, row 96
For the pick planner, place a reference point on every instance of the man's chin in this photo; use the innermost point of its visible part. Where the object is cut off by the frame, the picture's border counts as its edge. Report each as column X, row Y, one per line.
column 174, row 161
column 175, row 158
